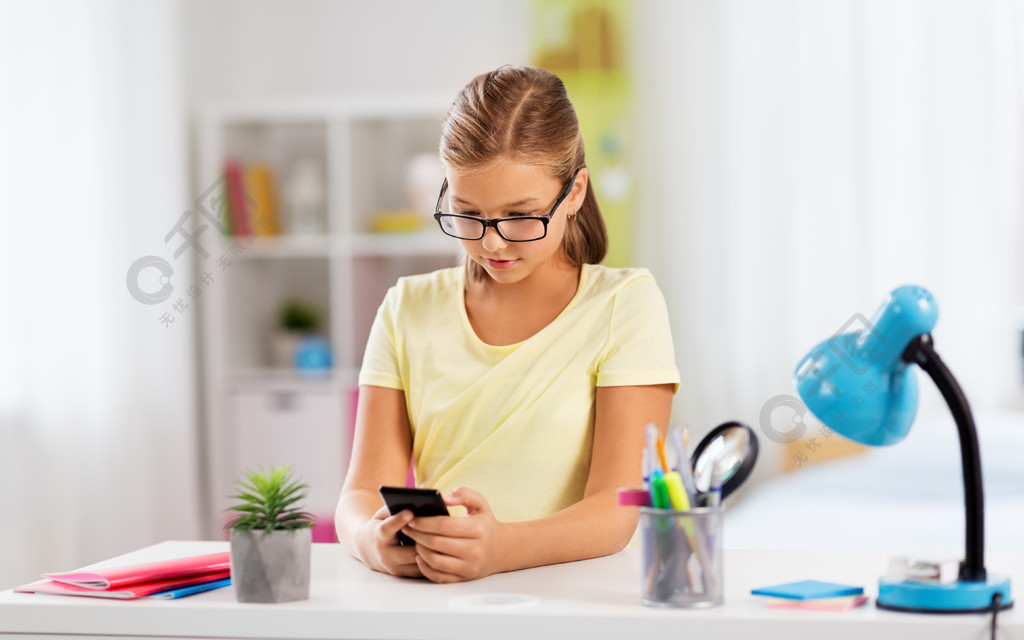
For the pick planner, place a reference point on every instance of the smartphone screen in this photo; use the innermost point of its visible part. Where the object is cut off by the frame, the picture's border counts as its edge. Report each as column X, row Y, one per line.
column 422, row 503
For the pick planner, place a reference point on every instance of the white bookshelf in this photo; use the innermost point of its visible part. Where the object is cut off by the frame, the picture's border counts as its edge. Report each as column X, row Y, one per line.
column 254, row 413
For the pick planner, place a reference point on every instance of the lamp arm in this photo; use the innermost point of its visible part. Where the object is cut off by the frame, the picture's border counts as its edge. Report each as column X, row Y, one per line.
column 921, row 352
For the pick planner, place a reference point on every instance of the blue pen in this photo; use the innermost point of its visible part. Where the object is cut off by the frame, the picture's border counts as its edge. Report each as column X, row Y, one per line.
column 182, row 592
column 714, row 494
column 713, row 497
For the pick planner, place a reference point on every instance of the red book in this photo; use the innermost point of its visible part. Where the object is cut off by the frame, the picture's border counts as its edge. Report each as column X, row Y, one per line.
column 237, row 199
column 120, row 593
column 117, row 577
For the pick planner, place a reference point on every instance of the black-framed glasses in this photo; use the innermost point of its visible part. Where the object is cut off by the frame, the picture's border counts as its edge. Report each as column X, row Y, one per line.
column 514, row 229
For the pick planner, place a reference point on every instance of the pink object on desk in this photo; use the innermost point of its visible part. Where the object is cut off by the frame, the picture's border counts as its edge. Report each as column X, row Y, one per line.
column 129, row 592
column 824, row 604
column 115, row 577
column 634, row 498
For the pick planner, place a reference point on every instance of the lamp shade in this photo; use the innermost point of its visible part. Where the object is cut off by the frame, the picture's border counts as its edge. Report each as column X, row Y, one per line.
column 857, row 382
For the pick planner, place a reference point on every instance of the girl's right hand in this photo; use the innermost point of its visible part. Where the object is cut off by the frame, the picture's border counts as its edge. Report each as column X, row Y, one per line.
column 379, row 548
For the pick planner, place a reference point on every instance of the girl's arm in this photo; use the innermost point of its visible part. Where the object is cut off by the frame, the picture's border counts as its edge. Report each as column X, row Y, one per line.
column 380, row 456
column 455, row 549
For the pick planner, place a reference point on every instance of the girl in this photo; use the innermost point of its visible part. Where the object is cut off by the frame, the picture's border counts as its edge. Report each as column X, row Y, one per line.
column 520, row 382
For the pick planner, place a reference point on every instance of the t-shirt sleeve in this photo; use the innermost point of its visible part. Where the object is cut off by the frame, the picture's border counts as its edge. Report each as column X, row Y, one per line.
column 380, row 360
column 640, row 349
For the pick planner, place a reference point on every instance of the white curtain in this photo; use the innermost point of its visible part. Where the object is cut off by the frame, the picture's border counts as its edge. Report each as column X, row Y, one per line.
column 799, row 159
column 97, row 401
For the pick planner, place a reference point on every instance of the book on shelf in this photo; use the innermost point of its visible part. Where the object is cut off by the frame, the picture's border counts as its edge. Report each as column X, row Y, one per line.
column 258, row 180
column 250, row 200
column 136, row 580
column 236, row 198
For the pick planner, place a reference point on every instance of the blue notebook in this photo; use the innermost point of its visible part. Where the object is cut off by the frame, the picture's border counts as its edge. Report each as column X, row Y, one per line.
column 809, row 590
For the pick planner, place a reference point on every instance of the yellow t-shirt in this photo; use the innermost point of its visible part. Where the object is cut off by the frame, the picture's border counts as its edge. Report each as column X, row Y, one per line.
column 515, row 422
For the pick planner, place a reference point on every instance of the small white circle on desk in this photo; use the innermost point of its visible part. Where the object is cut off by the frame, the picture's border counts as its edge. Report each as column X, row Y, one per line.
column 494, row 601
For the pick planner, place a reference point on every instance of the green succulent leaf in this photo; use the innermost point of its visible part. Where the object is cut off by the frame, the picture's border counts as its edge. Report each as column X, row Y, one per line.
column 248, row 497
column 270, row 500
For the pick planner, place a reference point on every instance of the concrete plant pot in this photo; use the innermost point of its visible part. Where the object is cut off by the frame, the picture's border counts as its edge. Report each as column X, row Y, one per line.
column 271, row 567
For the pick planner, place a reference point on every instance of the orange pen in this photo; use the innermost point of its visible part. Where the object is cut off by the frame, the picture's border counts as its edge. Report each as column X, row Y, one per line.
column 661, row 455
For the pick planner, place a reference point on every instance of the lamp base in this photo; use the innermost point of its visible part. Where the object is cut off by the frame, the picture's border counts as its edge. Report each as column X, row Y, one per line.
column 956, row 597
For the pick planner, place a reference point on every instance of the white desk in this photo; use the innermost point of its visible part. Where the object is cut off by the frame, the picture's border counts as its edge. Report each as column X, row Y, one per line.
column 597, row 598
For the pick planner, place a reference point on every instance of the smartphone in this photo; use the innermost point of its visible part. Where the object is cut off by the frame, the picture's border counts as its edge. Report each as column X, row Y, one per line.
column 422, row 502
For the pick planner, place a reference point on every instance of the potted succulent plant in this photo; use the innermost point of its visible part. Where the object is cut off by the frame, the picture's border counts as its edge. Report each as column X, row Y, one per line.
column 296, row 320
column 271, row 538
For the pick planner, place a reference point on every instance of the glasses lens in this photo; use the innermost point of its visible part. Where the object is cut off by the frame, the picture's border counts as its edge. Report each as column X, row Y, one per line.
column 462, row 227
column 473, row 229
column 522, row 230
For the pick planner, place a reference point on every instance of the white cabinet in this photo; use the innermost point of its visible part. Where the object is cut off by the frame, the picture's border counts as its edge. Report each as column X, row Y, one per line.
column 301, row 426
column 253, row 413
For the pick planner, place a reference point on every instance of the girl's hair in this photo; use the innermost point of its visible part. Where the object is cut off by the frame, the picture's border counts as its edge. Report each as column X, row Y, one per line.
column 523, row 115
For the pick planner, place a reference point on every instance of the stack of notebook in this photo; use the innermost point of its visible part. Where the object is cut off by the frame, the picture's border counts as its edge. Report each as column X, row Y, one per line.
column 164, row 579
column 813, row 594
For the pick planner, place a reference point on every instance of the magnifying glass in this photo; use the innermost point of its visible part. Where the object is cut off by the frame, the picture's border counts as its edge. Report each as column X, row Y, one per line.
column 724, row 457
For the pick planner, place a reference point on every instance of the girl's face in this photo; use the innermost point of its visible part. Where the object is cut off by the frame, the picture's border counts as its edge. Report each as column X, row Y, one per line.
column 509, row 189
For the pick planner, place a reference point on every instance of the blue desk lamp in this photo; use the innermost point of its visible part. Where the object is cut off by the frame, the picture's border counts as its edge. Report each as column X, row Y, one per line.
column 861, row 385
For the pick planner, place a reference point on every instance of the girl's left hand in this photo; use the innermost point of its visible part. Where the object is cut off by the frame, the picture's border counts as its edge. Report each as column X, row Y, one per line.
column 454, row 549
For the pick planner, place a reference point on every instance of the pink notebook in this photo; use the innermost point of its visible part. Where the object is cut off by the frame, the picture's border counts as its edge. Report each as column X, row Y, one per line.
column 121, row 593
column 116, row 577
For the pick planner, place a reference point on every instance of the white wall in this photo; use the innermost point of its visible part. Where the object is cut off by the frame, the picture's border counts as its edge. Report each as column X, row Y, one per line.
column 241, row 49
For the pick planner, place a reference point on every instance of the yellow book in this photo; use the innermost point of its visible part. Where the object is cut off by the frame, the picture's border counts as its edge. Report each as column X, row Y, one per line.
column 259, row 185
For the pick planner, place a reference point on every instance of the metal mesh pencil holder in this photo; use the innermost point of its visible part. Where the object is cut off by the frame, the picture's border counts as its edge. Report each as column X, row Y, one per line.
column 682, row 557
